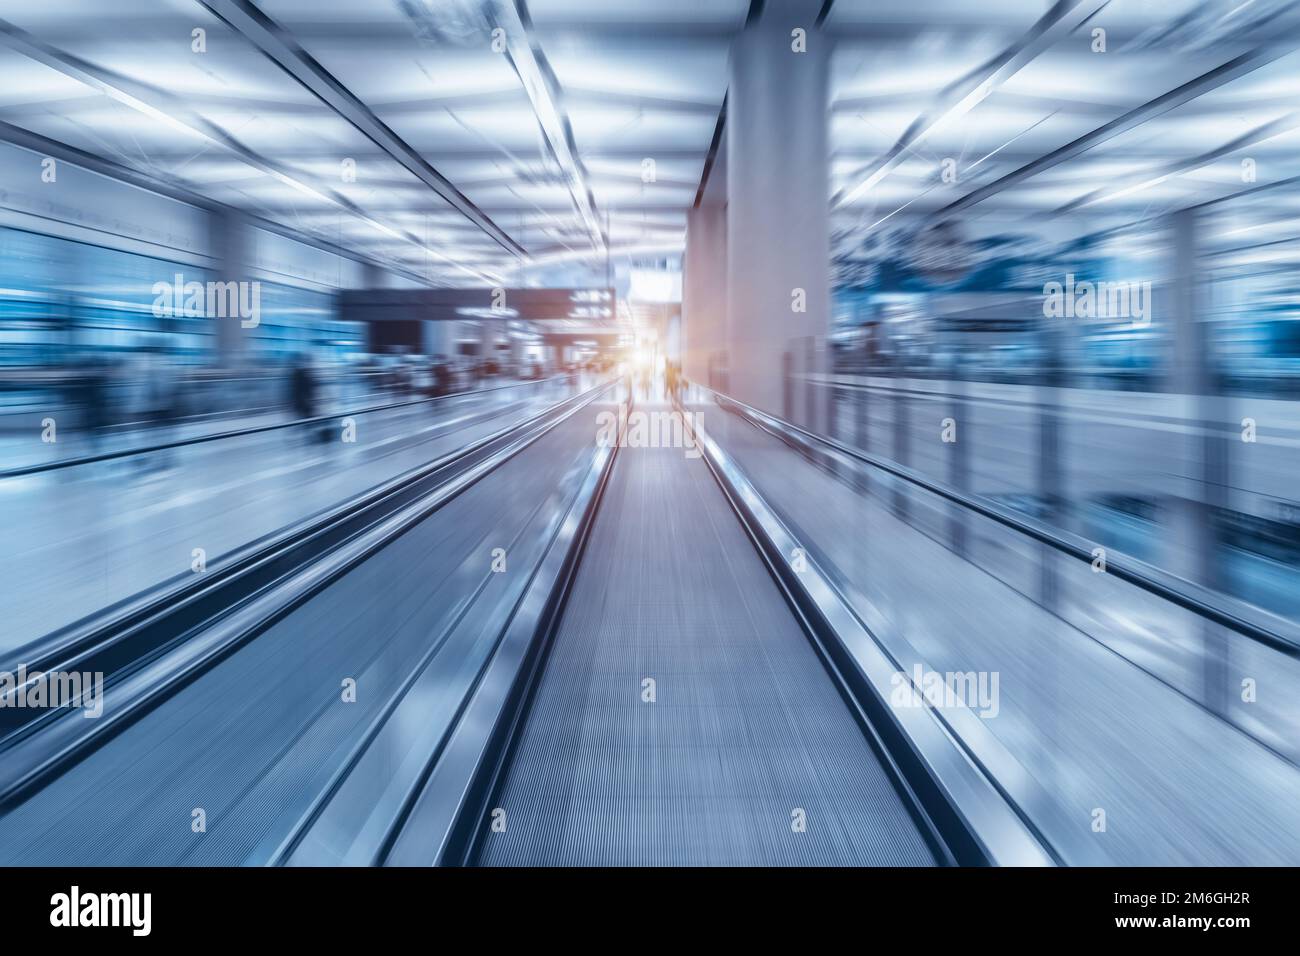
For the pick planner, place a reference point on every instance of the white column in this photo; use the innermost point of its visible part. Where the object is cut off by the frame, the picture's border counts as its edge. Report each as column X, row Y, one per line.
column 778, row 194
column 704, row 290
column 231, row 240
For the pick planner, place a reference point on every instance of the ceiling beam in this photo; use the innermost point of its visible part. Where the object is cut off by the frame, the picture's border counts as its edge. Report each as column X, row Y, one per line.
column 1048, row 104
column 280, row 48
column 584, row 97
column 968, row 92
column 543, row 89
column 170, row 111
column 74, row 156
column 626, row 27
column 1128, row 185
column 1289, row 186
column 473, row 154
column 1225, row 73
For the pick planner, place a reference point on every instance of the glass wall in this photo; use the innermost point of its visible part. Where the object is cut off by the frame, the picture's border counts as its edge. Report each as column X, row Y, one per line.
column 69, row 310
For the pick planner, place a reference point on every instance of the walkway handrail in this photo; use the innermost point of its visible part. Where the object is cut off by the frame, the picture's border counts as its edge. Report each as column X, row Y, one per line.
column 1268, row 629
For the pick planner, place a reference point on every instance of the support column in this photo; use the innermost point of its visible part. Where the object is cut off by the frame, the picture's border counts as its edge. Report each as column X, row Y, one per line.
column 517, row 354
column 1196, row 551
column 436, row 337
column 231, row 243
column 778, row 198
column 487, row 340
column 704, row 290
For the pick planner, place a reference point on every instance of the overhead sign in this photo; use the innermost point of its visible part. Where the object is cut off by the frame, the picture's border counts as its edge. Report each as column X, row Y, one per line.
column 533, row 305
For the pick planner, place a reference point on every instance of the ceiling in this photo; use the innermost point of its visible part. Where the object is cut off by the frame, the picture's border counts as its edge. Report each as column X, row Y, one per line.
column 1051, row 139
column 527, row 161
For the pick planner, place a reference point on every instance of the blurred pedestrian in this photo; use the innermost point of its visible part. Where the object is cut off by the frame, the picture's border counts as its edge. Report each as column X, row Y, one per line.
column 304, row 396
column 90, row 397
column 442, row 377
column 158, row 406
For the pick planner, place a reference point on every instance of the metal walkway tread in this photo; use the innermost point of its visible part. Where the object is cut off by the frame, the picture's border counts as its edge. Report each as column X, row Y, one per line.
column 746, row 727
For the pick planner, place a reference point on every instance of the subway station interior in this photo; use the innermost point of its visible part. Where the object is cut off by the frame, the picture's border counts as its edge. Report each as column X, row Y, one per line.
column 650, row 433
